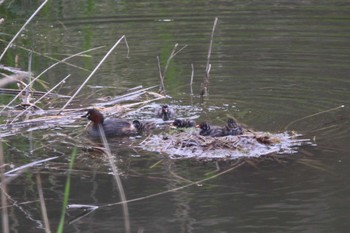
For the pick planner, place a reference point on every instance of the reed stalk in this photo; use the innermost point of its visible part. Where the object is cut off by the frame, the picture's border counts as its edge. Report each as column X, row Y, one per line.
column 22, row 28
column 4, row 211
column 37, row 77
column 92, row 73
column 42, row 204
column 117, row 179
column 37, row 101
column 191, row 82
column 205, row 84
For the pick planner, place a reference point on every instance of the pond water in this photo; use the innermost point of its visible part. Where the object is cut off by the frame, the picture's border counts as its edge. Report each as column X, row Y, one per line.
column 276, row 65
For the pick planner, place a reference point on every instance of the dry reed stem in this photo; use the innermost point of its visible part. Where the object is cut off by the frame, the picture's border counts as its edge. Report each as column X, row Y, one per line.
column 12, row 79
column 42, row 74
column 92, row 73
column 161, row 86
column 162, row 76
column 52, row 58
column 124, row 97
column 28, row 165
column 42, row 204
column 205, row 85
column 191, row 82
column 37, row 101
column 117, row 179
column 22, row 28
column 4, row 211
column 34, row 93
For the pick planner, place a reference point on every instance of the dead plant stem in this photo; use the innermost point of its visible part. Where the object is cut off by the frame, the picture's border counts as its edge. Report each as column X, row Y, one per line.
column 205, row 85
column 42, row 204
column 37, row 101
column 21, row 92
column 22, row 28
column 4, row 211
column 117, row 179
column 92, row 73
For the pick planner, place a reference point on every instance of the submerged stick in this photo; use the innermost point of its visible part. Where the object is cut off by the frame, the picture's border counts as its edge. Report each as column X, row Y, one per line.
column 92, row 73
column 22, row 28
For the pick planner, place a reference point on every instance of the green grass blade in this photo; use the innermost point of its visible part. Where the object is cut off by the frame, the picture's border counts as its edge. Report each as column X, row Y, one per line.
column 66, row 192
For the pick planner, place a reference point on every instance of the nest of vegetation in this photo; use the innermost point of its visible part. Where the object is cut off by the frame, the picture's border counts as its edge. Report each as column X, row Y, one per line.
column 189, row 144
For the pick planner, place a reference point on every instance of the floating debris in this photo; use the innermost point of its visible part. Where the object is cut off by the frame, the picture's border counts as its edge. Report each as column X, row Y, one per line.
column 190, row 144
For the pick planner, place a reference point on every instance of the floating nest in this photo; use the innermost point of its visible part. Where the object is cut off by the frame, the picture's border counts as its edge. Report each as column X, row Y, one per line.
column 189, row 144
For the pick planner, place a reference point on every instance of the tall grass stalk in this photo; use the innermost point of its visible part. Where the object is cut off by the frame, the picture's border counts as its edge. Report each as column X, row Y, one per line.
column 66, row 192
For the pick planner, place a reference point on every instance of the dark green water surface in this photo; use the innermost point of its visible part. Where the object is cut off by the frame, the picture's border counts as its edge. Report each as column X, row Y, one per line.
column 273, row 63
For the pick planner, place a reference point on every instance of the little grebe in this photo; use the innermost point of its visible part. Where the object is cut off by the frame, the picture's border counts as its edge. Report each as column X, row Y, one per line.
column 184, row 123
column 143, row 127
column 165, row 113
column 112, row 126
column 233, row 128
column 214, row 131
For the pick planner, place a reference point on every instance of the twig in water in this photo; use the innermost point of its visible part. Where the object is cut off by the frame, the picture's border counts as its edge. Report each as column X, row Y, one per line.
column 233, row 167
column 205, row 84
column 117, row 179
column 22, row 28
column 92, row 73
column 312, row 115
column 88, row 209
column 42, row 204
